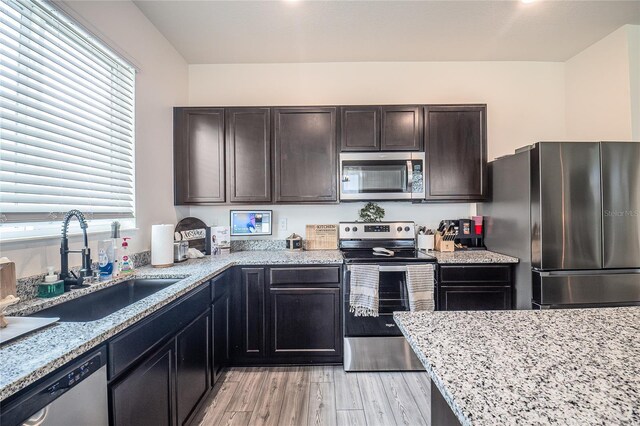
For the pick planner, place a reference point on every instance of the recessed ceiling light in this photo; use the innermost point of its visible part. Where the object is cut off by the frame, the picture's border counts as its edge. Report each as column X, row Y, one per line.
column 527, row 1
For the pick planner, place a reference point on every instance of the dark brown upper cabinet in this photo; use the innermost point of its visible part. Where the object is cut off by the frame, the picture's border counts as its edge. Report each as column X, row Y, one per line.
column 198, row 155
column 360, row 128
column 248, row 146
column 305, row 155
column 401, row 128
column 456, row 151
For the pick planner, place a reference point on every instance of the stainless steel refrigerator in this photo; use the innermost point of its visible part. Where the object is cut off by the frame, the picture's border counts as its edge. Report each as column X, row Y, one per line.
column 571, row 212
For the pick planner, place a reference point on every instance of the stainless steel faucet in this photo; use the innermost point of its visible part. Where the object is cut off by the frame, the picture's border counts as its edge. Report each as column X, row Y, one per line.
column 71, row 280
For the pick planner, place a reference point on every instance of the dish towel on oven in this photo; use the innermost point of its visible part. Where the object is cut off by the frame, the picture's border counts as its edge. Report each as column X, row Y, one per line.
column 363, row 297
column 420, row 287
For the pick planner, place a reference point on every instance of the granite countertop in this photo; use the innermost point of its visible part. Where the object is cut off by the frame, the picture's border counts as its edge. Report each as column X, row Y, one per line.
column 568, row 367
column 30, row 358
column 472, row 256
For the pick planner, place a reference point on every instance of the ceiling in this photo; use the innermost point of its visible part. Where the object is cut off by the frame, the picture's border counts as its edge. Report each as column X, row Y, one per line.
column 216, row 32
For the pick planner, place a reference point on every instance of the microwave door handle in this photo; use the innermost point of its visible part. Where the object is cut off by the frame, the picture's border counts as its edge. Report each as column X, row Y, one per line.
column 409, row 176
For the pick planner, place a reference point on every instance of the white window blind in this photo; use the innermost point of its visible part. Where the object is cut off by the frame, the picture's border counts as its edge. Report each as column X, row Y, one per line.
column 66, row 119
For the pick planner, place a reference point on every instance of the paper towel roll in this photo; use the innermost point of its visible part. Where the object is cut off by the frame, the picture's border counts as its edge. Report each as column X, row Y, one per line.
column 161, row 245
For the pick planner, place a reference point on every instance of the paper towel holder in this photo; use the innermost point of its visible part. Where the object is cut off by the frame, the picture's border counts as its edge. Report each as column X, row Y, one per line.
column 162, row 250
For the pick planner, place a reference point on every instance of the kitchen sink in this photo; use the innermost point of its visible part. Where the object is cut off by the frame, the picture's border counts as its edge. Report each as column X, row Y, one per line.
column 101, row 303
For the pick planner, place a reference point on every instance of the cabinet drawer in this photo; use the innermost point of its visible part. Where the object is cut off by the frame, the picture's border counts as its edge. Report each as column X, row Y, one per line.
column 309, row 275
column 474, row 298
column 475, row 274
column 133, row 343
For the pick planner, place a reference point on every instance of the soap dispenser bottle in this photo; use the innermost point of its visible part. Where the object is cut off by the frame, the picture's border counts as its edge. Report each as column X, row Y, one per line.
column 126, row 263
column 52, row 285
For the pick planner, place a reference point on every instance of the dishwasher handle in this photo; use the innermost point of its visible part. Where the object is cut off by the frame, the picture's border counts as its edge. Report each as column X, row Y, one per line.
column 38, row 418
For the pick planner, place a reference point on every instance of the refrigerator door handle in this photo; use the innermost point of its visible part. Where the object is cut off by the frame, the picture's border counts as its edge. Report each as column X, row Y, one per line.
column 585, row 272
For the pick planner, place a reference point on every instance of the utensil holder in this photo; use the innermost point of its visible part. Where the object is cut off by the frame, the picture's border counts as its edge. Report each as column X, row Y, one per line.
column 426, row 242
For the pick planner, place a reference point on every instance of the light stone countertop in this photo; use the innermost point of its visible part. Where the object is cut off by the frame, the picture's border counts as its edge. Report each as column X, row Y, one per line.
column 472, row 256
column 30, row 358
column 564, row 367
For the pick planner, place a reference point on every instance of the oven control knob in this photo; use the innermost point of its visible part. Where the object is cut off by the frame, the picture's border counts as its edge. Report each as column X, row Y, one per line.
column 347, row 229
column 407, row 229
column 399, row 228
column 355, row 229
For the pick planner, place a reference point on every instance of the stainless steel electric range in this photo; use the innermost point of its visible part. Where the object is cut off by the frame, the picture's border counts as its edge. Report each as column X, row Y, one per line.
column 375, row 343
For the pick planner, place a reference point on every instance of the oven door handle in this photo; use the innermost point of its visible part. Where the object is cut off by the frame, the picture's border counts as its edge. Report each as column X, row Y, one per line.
column 394, row 268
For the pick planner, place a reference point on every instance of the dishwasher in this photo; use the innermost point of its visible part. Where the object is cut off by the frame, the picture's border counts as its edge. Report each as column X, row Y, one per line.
column 73, row 395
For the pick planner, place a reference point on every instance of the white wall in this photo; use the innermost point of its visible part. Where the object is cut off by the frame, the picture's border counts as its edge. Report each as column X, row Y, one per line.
column 160, row 84
column 599, row 84
column 633, row 32
column 525, row 99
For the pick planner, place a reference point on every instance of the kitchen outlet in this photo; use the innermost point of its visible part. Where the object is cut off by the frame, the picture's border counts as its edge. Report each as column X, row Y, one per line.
column 283, row 224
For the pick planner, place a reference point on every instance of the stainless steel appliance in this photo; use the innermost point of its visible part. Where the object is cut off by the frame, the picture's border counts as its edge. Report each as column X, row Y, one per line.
column 571, row 212
column 180, row 250
column 375, row 343
column 75, row 395
column 382, row 176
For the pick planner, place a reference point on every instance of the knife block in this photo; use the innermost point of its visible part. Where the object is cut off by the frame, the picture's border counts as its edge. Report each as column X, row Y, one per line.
column 444, row 246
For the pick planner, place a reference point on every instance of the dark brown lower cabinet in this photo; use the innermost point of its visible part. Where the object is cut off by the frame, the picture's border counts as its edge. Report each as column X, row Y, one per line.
column 220, row 352
column 286, row 315
column 305, row 322
column 192, row 366
column 145, row 395
column 252, row 313
column 162, row 386
column 475, row 287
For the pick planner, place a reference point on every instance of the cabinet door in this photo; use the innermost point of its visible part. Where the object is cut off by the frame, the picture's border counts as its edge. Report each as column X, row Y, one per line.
column 248, row 145
column 252, row 313
column 456, row 151
column 360, row 128
column 474, row 287
column 192, row 366
column 220, row 316
column 305, row 155
column 145, row 395
column 474, row 298
column 305, row 323
column 198, row 155
column 401, row 128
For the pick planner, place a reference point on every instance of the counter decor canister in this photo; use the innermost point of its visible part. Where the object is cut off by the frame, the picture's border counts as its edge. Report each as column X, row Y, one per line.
column 294, row 242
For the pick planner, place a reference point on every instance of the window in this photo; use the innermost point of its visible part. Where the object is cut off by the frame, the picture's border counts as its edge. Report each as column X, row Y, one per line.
column 66, row 123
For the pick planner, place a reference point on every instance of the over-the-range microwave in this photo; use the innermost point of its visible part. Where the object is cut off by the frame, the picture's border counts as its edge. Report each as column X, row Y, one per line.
column 382, row 176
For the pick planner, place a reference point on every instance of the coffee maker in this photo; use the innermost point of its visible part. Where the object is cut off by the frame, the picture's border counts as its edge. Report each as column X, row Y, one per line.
column 467, row 234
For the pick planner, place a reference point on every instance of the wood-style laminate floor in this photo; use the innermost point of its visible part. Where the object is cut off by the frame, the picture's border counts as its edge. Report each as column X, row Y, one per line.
column 318, row 396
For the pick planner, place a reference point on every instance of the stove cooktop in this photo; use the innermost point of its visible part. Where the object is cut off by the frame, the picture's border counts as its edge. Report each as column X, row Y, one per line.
column 401, row 256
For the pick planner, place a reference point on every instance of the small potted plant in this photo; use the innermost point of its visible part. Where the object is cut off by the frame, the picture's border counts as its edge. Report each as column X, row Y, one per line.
column 371, row 212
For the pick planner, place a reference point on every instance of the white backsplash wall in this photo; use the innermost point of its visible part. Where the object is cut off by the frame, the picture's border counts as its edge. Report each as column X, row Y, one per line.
column 298, row 216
